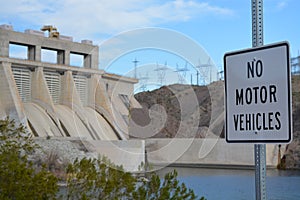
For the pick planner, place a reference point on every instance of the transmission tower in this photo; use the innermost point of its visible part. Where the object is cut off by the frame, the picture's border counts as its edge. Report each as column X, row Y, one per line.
column 197, row 74
column 221, row 75
column 161, row 73
column 205, row 71
column 295, row 64
column 181, row 72
column 143, row 81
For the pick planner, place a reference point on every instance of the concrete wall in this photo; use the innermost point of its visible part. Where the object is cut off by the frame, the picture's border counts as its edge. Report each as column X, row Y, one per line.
column 204, row 152
column 130, row 154
column 163, row 152
column 116, row 86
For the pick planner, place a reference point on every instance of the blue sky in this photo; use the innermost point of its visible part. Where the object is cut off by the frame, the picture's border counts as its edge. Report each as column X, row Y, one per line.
column 218, row 26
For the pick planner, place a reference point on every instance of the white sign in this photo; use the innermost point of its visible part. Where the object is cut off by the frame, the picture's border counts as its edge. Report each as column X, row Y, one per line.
column 257, row 95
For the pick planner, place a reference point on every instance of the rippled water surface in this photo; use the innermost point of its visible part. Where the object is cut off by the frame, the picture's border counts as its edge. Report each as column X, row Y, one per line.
column 216, row 184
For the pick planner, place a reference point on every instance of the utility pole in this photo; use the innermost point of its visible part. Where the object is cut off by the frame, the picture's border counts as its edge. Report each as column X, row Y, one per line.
column 135, row 67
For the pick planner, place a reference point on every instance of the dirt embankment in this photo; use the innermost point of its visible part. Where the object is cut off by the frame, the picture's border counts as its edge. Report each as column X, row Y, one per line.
column 168, row 113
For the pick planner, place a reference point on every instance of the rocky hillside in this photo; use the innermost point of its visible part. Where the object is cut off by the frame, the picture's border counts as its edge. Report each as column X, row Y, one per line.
column 176, row 111
column 292, row 154
column 167, row 112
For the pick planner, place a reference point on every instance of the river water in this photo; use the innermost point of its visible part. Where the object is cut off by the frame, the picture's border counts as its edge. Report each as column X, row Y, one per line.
column 219, row 184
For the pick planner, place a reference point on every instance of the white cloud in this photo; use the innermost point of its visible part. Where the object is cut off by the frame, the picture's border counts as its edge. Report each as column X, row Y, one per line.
column 281, row 5
column 87, row 18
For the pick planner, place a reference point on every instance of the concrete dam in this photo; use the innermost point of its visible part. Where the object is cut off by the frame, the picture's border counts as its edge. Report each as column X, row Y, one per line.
column 57, row 99
column 50, row 98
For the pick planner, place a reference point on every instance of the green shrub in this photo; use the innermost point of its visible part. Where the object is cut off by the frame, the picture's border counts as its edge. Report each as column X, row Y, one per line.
column 100, row 179
column 19, row 179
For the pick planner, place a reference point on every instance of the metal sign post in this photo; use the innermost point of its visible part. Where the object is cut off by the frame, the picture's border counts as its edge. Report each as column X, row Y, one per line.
column 260, row 171
column 257, row 99
column 259, row 149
